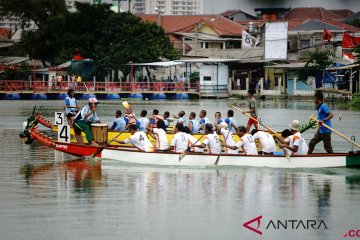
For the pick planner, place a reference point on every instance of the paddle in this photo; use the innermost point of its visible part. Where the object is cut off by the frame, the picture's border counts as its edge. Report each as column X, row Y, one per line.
column 107, row 144
column 218, row 157
column 182, row 155
column 338, row 133
column 268, row 128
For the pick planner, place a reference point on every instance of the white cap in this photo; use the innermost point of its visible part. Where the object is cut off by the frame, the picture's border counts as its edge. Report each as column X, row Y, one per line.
column 223, row 125
column 93, row 100
column 294, row 125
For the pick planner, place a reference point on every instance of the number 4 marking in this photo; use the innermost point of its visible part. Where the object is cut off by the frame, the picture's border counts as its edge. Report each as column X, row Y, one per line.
column 64, row 133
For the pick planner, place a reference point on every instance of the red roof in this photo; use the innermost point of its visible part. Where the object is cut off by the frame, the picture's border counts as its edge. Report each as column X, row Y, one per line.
column 343, row 13
column 187, row 23
column 311, row 12
column 342, row 25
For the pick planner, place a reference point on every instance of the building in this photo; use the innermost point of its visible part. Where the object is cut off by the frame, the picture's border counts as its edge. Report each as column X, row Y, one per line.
column 13, row 23
column 174, row 7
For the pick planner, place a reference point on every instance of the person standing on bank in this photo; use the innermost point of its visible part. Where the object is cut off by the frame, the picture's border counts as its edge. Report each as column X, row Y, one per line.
column 85, row 117
column 323, row 133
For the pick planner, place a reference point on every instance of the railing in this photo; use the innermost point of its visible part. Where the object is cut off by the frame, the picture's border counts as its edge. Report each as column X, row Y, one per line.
column 17, row 86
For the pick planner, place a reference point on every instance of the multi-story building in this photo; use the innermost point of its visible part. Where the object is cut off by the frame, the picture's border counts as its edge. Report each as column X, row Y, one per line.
column 168, row 7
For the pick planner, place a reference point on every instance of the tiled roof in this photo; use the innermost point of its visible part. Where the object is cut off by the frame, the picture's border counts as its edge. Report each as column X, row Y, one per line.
column 174, row 23
column 232, row 12
column 342, row 25
column 320, row 25
column 311, row 12
column 5, row 33
column 342, row 13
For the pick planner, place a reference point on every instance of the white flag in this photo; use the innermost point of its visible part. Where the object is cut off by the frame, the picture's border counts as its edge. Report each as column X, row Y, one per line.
column 249, row 41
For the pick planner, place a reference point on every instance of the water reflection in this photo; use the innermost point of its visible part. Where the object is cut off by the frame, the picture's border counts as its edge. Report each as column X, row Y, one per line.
column 82, row 175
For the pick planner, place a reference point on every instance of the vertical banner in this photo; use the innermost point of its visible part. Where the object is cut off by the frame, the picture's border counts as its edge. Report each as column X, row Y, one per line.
column 276, row 37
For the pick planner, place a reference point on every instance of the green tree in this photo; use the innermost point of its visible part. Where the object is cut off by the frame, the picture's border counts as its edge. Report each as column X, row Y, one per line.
column 355, row 22
column 317, row 61
column 357, row 53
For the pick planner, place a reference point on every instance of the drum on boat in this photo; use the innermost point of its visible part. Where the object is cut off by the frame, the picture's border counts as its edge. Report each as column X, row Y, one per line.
column 100, row 132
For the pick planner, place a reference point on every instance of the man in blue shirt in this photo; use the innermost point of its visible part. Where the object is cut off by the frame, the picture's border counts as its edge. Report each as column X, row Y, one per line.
column 230, row 121
column 143, row 121
column 71, row 106
column 119, row 122
column 324, row 116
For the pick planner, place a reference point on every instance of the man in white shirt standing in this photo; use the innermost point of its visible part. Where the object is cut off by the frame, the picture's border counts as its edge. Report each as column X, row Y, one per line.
column 247, row 142
column 138, row 139
column 179, row 143
column 159, row 134
column 266, row 140
column 211, row 140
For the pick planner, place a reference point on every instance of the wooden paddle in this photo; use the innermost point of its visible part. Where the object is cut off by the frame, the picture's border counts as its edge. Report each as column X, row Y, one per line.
column 218, row 157
column 182, row 155
column 338, row 133
column 107, row 144
column 268, row 128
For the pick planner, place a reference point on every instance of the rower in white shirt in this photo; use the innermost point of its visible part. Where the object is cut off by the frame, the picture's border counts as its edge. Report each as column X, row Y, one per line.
column 295, row 144
column 179, row 143
column 138, row 139
column 227, row 137
column 159, row 134
column 192, row 140
column 266, row 140
column 247, row 142
column 211, row 140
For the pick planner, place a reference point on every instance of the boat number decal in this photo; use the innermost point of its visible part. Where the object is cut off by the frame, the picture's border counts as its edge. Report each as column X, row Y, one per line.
column 64, row 133
column 59, row 118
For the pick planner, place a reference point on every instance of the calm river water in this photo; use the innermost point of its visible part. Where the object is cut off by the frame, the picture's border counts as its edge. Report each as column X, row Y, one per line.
column 46, row 198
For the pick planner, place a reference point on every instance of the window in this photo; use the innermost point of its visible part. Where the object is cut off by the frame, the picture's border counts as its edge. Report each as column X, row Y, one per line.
column 304, row 43
column 207, row 78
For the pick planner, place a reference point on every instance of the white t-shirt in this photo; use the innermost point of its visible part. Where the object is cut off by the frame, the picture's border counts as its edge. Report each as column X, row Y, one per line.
column 297, row 140
column 247, row 143
column 161, row 139
column 193, row 140
column 266, row 140
column 212, row 141
column 140, row 141
column 180, row 142
column 228, row 140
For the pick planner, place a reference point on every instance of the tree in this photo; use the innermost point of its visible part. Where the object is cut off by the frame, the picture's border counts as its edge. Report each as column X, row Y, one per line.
column 38, row 11
column 317, row 61
column 357, row 52
column 355, row 22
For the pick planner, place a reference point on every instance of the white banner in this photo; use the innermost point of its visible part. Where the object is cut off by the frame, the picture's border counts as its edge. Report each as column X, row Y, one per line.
column 249, row 41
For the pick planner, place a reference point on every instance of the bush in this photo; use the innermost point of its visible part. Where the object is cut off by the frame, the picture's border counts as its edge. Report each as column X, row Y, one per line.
column 355, row 101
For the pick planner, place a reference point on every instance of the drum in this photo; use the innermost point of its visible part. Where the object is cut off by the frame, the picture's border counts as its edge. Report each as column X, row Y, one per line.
column 100, row 132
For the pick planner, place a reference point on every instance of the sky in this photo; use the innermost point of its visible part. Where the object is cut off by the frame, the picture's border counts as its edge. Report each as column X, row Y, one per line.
column 218, row 6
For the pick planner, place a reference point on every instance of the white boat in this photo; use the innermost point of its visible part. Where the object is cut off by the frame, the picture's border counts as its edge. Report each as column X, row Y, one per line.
column 132, row 155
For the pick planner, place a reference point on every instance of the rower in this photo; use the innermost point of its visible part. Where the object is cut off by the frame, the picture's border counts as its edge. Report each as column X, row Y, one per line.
column 192, row 140
column 266, row 140
column 130, row 119
column 119, row 122
column 159, row 134
column 203, row 120
column 323, row 133
column 227, row 137
column 71, row 106
column 211, row 140
column 246, row 142
column 138, row 139
column 193, row 123
column 179, row 143
column 155, row 118
column 166, row 119
column 85, row 117
column 143, row 121
column 218, row 118
column 230, row 121
column 180, row 119
column 295, row 143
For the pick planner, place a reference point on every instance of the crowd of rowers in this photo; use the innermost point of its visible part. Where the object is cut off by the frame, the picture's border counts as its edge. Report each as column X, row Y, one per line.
column 184, row 129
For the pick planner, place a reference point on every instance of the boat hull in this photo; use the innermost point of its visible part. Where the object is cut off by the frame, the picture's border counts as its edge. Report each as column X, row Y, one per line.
column 130, row 155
